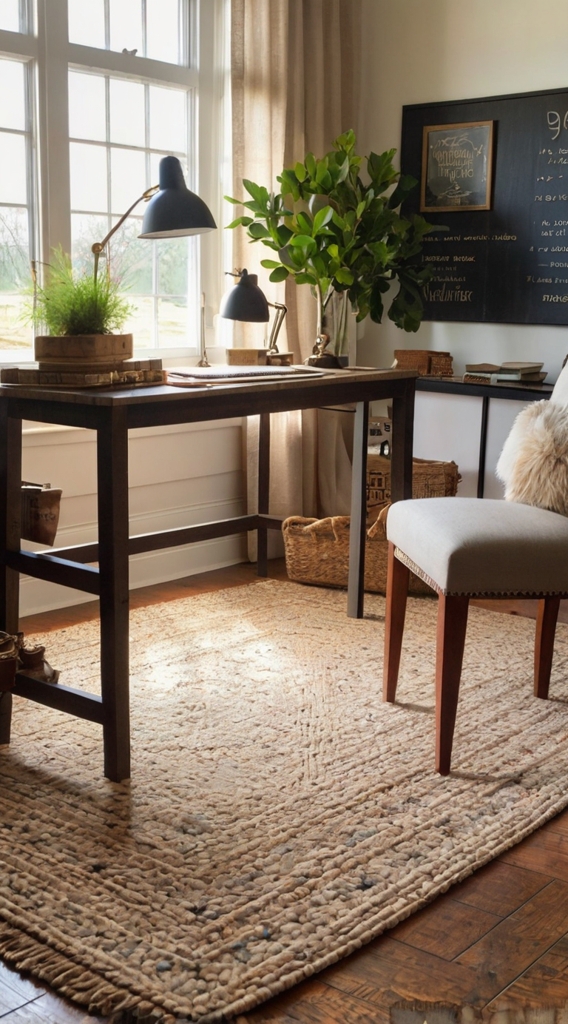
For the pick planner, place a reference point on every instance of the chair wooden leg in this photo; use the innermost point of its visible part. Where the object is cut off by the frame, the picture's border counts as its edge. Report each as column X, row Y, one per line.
column 397, row 592
column 450, row 640
column 544, row 644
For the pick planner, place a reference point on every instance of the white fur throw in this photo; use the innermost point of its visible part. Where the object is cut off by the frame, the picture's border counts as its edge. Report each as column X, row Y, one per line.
column 534, row 462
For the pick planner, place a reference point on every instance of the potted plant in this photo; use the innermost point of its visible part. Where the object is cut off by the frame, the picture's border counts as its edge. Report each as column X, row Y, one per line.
column 341, row 235
column 81, row 313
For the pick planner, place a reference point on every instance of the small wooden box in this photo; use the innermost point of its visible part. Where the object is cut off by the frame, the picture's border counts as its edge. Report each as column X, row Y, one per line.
column 428, row 363
column 246, row 356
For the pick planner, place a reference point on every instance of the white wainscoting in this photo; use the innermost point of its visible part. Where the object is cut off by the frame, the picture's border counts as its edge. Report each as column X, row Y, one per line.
column 178, row 475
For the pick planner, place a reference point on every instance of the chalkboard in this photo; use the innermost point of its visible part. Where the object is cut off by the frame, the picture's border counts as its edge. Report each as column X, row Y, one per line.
column 507, row 263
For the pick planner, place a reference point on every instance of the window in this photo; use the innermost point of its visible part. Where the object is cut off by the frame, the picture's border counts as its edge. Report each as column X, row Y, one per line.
column 93, row 93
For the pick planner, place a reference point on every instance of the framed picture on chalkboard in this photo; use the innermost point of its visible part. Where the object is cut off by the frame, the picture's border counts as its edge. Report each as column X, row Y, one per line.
column 457, row 161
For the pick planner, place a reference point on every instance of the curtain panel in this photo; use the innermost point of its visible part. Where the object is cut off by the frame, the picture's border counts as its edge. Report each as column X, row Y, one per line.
column 295, row 88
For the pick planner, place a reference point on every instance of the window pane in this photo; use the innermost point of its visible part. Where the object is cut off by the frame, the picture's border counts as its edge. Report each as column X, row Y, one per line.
column 128, row 178
column 132, row 259
column 10, row 15
column 126, row 25
column 87, row 115
column 163, row 30
column 12, row 96
column 88, row 177
column 172, row 322
column 168, row 128
column 13, row 164
column 15, row 276
column 86, row 229
column 127, row 121
column 173, row 258
column 87, row 22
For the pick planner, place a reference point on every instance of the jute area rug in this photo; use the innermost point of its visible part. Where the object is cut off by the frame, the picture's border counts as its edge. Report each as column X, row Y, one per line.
column 279, row 814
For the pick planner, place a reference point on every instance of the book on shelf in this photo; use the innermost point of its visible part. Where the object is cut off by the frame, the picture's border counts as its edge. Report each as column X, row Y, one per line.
column 494, row 373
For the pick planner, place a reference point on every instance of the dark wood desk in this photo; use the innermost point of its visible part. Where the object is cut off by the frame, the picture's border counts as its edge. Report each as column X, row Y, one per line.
column 511, row 391
column 112, row 413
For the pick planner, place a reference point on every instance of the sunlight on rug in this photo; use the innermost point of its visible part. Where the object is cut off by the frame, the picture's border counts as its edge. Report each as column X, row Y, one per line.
column 279, row 814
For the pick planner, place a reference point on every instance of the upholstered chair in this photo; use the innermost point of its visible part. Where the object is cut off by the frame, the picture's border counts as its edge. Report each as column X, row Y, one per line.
column 484, row 548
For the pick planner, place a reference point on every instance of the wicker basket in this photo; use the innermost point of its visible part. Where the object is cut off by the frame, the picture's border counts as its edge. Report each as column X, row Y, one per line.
column 430, row 479
column 317, row 550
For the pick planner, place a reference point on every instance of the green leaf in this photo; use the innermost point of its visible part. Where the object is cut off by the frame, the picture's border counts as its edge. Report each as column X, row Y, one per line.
column 322, row 218
column 310, row 162
column 344, row 276
column 305, row 223
column 280, row 274
column 240, row 221
column 258, row 192
column 346, row 141
column 303, row 240
column 257, row 230
column 300, row 172
column 344, row 168
column 269, row 264
column 303, row 277
column 283, row 234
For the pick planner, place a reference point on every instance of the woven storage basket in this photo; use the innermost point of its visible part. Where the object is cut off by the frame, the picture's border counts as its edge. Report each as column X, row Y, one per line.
column 430, row 479
column 317, row 550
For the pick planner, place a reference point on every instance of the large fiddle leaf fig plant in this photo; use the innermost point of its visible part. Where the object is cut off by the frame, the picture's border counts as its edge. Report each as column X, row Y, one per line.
column 338, row 233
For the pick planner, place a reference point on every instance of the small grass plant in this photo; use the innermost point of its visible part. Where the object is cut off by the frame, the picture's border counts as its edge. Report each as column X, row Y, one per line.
column 72, row 304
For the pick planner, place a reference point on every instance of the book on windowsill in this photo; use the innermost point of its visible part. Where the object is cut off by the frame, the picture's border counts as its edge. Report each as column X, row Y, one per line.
column 492, row 373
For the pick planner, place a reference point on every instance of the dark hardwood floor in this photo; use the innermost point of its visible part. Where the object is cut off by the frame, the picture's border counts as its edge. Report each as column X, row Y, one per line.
column 493, row 947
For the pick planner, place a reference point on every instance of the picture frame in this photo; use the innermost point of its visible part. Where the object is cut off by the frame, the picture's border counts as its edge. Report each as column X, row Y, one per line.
column 457, row 167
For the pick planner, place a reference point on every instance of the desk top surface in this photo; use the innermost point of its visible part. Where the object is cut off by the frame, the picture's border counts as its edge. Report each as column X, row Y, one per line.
column 355, row 377
column 163, row 404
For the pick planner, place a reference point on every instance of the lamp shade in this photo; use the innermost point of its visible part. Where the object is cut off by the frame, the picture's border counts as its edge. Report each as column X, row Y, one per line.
column 246, row 301
column 174, row 210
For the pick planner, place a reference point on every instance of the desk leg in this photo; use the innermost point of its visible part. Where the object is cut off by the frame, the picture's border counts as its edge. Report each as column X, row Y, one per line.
column 112, row 476
column 402, row 440
column 358, row 530
column 263, row 492
column 10, row 482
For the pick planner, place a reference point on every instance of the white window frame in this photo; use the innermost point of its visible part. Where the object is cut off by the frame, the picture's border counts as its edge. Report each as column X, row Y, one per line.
column 50, row 55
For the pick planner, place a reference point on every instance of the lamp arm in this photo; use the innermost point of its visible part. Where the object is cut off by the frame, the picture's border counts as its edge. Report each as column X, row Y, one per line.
column 98, row 247
column 281, row 311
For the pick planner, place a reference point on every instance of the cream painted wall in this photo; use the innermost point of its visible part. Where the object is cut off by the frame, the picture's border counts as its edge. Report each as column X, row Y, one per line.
column 421, row 51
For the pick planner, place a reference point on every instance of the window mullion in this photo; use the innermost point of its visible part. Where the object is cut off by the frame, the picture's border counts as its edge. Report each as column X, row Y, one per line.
column 54, row 125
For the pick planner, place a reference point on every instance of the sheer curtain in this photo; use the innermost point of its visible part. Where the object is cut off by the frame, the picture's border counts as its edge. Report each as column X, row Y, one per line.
column 295, row 79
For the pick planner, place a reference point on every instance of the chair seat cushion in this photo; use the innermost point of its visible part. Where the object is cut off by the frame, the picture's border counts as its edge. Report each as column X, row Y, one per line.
column 482, row 546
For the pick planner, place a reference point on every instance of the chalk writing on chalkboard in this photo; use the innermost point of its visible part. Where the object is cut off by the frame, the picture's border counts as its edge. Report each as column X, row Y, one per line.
column 507, row 261
column 457, row 161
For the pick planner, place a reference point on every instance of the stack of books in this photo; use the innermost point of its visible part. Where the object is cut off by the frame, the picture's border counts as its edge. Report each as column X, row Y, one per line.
column 493, row 373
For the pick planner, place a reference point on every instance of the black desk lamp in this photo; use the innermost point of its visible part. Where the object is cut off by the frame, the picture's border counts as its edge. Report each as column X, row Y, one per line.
column 248, row 303
column 172, row 209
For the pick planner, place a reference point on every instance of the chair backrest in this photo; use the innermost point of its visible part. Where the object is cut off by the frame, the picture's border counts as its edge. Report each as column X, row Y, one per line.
column 559, row 394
